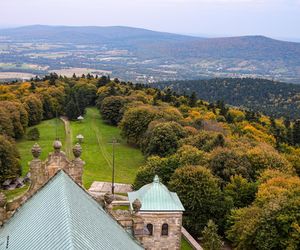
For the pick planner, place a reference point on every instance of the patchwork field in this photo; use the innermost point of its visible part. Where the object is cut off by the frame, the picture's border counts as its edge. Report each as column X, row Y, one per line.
column 15, row 75
column 79, row 71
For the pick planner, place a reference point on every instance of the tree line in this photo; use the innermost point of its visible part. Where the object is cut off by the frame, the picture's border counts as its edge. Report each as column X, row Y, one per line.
column 272, row 98
column 235, row 171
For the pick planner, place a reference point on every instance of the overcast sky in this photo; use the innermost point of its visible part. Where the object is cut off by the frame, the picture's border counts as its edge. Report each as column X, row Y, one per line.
column 274, row 18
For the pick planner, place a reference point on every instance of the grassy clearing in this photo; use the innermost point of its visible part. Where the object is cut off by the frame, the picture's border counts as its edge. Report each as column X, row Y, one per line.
column 97, row 150
column 47, row 136
column 185, row 245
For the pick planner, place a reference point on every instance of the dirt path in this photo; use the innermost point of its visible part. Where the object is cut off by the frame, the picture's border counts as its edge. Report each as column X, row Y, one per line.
column 68, row 140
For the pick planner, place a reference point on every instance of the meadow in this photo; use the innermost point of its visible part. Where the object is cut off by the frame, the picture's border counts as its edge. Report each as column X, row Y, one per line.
column 48, row 132
column 96, row 147
column 98, row 150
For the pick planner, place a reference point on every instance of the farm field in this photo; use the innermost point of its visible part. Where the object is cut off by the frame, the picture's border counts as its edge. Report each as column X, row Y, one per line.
column 15, row 75
column 79, row 71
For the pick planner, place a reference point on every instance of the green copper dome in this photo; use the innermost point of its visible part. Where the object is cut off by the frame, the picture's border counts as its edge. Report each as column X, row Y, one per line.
column 156, row 197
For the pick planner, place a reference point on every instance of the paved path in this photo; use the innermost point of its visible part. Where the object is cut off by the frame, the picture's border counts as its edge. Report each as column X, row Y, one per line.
column 68, row 140
column 104, row 187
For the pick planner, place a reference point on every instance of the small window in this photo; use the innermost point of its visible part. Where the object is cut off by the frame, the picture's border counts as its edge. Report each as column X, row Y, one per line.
column 165, row 229
column 150, row 229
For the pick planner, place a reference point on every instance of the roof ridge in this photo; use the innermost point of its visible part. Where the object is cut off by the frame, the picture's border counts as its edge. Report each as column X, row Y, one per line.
column 67, row 207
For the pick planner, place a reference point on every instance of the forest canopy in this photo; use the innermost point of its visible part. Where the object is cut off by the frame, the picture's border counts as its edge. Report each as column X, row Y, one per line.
column 236, row 171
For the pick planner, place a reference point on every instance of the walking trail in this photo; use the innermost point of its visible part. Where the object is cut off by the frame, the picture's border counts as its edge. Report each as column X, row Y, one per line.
column 68, row 140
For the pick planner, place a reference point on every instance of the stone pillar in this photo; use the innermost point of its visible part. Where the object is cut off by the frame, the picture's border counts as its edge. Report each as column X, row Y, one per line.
column 3, row 214
column 37, row 170
column 75, row 169
column 56, row 160
column 137, row 221
column 138, row 227
column 108, row 198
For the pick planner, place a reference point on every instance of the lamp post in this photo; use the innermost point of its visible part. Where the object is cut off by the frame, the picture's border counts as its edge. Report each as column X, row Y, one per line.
column 80, row 138
column 114, row 142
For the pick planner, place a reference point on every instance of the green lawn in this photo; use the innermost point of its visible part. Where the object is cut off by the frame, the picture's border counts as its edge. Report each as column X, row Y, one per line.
column 185, row 245
column 97, row 150
column 47, row 136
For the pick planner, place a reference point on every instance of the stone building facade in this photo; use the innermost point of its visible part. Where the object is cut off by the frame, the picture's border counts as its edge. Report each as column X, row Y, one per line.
column 164, row 230
column 41, row 172
column 157, row 216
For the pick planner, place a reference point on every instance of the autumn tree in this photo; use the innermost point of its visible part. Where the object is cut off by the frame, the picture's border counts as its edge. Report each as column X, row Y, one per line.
column 205, row 140
column 18, row 116
column 272, row 221
column 34, row 108
column 264, row 157
column 225, row 163
column 240, row 191
column 9, row 159
column 164, row 167
column 201, row 196
column 135, row 123
column 162, row 138
column 112, row 109
column 6, row 124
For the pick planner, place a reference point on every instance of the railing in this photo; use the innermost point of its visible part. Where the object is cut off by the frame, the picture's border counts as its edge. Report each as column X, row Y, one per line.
column 189, row 238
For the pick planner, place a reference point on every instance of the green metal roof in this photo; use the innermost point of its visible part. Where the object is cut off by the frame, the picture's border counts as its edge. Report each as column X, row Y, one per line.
column 156, row 197
column 62, row 215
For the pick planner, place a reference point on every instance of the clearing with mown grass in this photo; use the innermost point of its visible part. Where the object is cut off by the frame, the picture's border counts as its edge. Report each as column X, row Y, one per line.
column 97, row 148
column 47, row 131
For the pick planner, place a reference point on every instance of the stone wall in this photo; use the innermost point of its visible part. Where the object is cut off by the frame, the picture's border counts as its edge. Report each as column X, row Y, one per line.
column 157, row 241
column 41, row 172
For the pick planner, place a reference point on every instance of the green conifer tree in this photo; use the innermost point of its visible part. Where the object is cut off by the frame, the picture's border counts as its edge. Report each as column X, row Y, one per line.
column 296, row 132
column 211, row 240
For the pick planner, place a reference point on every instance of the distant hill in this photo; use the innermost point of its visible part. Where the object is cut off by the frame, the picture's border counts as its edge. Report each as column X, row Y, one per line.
column 90, row 34
column 246, row 47
column 152, row 55
column 270, row 97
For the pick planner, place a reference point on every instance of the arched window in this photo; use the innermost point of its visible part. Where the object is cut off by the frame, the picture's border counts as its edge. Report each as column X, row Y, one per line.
column 165, row 229
column 150, row 229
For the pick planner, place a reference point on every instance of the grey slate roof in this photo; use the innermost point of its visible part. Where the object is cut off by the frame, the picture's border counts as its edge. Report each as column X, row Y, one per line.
column 156, row 197
column 62, row 215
